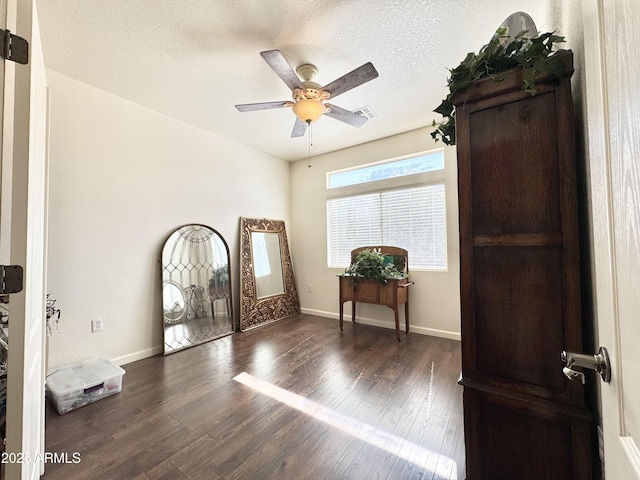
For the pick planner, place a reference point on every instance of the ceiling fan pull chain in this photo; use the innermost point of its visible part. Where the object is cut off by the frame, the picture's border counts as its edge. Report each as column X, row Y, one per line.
column 310, row 141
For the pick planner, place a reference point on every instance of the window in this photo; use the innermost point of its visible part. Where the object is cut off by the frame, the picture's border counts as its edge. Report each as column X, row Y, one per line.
column 411, row 216
column 382, row 171
column 261, row 257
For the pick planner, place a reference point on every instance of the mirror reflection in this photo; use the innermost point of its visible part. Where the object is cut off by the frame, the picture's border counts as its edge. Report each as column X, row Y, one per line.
column 268, row 289
column 267, row 263
column 172, row 303
column 196, row 288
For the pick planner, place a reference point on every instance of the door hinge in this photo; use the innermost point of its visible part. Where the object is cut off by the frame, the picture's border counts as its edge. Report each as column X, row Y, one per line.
column 13, row 47
column 10, row 279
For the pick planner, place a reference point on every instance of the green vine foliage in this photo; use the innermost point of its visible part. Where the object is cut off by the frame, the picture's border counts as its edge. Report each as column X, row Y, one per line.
column 532, row 55
column 373, row 265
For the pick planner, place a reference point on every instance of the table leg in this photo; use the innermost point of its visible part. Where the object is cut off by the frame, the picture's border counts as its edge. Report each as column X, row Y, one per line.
column 397, row 318
column 406, row 316
column 353, row 311
column 341, row 310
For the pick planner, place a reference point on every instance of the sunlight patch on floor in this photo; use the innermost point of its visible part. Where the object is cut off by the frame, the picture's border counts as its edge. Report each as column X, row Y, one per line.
column 442, row 466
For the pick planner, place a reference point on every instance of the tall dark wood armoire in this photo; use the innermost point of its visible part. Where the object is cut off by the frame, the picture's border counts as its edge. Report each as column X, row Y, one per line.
column 520, row 281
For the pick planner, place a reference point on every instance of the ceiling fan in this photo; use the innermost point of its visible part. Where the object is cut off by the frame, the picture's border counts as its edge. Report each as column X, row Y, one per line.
column 308, row 96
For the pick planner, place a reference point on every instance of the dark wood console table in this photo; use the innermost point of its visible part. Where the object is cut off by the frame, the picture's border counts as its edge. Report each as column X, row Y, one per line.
column 392, row 294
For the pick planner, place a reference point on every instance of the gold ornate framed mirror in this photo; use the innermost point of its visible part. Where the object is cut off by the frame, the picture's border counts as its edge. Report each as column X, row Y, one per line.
column 268, row 290
column 196, row 288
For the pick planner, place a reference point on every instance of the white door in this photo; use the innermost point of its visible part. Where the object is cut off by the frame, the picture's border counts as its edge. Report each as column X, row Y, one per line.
column 24, row 173
column 612, row 67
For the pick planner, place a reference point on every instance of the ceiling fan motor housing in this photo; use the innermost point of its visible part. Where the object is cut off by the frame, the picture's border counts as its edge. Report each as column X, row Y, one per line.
column 309, row 106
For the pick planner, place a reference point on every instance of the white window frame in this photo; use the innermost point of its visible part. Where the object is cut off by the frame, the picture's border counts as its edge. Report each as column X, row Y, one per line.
column 401, row 178
column 435, row 177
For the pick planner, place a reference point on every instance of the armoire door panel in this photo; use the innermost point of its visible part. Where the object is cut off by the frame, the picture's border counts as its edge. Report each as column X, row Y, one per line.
column 515, row 168
column 518, row 313
column 546, row 436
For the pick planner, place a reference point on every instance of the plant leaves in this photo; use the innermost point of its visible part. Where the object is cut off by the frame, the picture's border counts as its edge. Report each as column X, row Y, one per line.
column 445, row 108
column 373, row 265
column 532, row 55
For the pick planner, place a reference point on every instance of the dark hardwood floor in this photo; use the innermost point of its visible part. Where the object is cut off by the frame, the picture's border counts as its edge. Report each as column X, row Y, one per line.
column 297, row 399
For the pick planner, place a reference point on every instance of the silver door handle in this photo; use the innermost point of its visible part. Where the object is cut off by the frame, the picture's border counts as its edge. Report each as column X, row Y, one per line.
column 573, row 375
column 598, row 362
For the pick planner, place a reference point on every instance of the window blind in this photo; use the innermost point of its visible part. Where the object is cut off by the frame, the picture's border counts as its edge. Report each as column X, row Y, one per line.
column 411, row 218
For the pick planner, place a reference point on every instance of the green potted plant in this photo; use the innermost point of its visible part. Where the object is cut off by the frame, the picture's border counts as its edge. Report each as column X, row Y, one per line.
column 371, row 264
column 219, row 282
column 532, row 55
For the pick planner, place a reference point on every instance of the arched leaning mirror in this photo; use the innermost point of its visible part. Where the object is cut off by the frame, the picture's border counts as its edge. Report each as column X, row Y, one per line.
column 196, row 288
column 268, row 289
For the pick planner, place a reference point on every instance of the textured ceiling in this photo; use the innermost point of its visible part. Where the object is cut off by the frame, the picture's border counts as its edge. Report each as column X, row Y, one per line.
column 195, row 59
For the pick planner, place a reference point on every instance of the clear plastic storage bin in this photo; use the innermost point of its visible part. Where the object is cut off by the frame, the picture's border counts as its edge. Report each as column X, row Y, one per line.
column 81, row 383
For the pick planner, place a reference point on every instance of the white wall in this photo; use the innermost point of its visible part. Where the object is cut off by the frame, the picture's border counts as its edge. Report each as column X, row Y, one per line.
column 122, row 177
column 434, row 306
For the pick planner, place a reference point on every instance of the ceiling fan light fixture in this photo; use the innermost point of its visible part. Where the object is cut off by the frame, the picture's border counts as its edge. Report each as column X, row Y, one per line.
column 308, row 110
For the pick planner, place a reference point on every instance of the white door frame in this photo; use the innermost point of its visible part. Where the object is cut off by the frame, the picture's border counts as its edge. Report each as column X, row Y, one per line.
column 24, row 128
column 621, row 455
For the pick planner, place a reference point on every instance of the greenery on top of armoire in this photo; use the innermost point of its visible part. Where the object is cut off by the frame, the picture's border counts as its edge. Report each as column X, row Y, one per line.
column 532, row 55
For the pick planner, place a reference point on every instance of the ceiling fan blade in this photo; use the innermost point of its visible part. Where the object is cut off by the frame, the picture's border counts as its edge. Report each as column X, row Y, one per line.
column 283, row 69
column 298, row 128
column 351, row 80
column 345, row 116
column 248, row 107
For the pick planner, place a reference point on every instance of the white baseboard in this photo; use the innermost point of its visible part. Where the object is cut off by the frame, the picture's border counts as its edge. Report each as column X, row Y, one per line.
column 139, row 355
column 434, row 332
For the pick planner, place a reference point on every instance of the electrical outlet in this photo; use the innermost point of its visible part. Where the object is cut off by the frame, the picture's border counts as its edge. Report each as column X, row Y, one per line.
column 309, row 287
column 96, row 325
